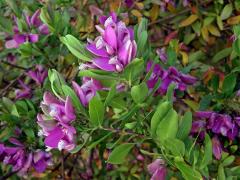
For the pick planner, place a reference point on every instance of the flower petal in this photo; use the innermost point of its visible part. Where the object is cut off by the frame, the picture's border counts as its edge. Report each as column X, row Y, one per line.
column 103, row 64
column 110, row 37
column 98, row 52
column 54, row 137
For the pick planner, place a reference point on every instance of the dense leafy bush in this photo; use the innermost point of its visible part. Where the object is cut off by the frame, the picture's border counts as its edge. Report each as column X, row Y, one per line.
column 119, row 89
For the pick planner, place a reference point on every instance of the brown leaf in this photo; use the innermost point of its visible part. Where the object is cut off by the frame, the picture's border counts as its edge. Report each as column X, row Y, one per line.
column 234, row 20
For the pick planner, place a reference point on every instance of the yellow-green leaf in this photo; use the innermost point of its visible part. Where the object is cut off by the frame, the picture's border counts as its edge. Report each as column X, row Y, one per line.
column 226, row 12
column 191, row 19
column 184, row 58
column 213, row 30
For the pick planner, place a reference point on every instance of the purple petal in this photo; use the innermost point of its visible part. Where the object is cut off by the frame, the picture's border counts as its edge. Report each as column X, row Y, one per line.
column 11, row 44
column 40, row 166
column 35, row 21
column 80, row 93
column 98, row 52
column 20, row 38
column 110, row 37
column 48, row 98
column 159, row 174
column 124, row 54
column 43, row 29
column 102, row 63
column 188, row 79
column 54, row 137
column 217, row 148
column 203, row 114
column 155, row 165
column 33, row 38
column 15, row 142
column 69, row 110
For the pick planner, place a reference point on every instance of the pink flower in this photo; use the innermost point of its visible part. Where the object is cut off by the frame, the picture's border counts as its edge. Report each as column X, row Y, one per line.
column 55, row 122
column 158, row 170
column 115, row 47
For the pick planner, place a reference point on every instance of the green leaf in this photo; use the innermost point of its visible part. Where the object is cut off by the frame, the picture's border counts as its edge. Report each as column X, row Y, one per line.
column 119, row 153
column 208, row 20
column 75, row 47
column 170, row 92
column 226, row 12
column 168, row 127
column 171, row 56
column 46, row 19
column 221, row 173
column 110, row 95
column 196, row 56
column 229, row 83
column 220, row 23
column 205, row 102
column 222, row 54
column 132, row 70
column 175, row 146
column 185, row 126
column 228, row 161
column 95, row 143
column 75, row 99
column 10, row 106
column 95, row 75
column 5, row 24
column 160, row 113
column 142, row 40
column 236, row 46
column 14, row 6
column 56, row 81
column 215, row 83
column 188, row 172
column 139, row 92
column 207, row 156
column 96, row 111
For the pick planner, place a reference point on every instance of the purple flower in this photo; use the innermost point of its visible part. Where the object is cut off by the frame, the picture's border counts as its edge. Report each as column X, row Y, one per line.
column 216, row 123
column 20, row 38
column 158, row 170
column 115, row 47
column 129, row 3
column 21, row 160
column 162, row 54
column 24, row 92
column 171, row 75
column 55, row 122
column 38, row 75
column 59, row 110
column 34, row 21
column 87, row 90
column 217, row 148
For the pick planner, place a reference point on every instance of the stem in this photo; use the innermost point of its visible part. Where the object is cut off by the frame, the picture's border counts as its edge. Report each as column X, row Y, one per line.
column 123, row 132
column 62, row 165
column 14, row 65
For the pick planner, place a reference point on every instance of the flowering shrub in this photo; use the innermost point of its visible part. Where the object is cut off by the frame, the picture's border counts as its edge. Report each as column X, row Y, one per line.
column 119, row 89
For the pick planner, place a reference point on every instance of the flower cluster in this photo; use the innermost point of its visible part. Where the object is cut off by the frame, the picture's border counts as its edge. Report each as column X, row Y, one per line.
column 56, row 122
column 38, row 75
column 171, row 75
column 115, row 47
column 87, row 90
column 221, row 125
column 20, row 38
column 21, row 160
